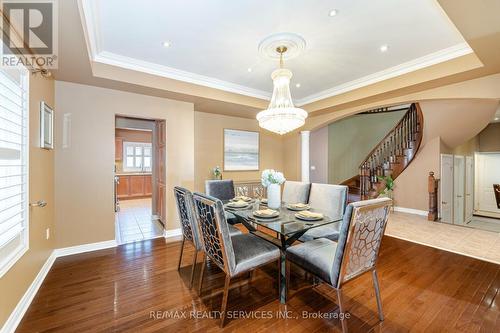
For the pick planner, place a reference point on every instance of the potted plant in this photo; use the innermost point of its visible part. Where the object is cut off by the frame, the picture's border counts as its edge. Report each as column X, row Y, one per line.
column 387, row 191
column 217, row 173
column 272, row 180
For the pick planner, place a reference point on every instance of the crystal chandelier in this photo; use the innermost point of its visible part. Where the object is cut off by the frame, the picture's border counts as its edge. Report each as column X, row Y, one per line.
column 281, row 116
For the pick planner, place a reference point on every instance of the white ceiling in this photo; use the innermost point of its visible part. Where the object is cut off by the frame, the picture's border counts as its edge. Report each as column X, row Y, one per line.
column 214, row 42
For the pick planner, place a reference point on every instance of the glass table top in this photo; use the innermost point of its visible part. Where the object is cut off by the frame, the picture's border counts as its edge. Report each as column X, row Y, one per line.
column 286, row 223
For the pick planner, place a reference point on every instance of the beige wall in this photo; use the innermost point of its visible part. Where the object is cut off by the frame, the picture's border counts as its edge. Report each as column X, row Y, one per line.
column 84, row 171
column 209, row 148
column 16, row 281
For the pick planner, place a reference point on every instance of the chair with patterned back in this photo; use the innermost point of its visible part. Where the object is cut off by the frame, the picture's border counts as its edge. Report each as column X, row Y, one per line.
column 234, row 255
column 355, row 253
column 189, row 225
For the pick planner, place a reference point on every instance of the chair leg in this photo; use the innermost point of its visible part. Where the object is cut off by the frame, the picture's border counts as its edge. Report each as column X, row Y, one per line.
column 377, row 295
column 224, row 301
column 341, row 311
column 204, row 262
column 193, row 268
column 180, row 256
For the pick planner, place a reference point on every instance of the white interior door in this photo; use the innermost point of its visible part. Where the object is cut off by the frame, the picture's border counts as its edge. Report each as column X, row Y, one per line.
column 469, row 188
column 487, row 166
column 446, row 188
column 458, row 189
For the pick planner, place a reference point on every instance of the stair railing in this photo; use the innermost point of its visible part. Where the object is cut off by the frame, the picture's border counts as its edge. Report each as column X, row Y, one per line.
column 394, row 152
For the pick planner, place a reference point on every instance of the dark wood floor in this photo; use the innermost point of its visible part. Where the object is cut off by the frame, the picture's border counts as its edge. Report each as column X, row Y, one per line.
column 423, row 290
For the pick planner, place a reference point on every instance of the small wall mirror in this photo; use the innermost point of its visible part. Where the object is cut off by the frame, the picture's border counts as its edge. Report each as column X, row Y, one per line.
column 46, row 126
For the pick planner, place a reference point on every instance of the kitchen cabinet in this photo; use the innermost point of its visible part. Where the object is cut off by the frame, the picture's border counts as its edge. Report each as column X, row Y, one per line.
column 118, row 149
column 122, row 190
column 134, row 186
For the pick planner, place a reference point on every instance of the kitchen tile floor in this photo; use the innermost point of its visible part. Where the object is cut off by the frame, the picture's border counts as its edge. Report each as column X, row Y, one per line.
column 133, row 221
column 480, row 244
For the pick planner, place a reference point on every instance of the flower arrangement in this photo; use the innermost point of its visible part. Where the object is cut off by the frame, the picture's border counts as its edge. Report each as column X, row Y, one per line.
column 270, row 176
column 389, row 186
column 217, row 173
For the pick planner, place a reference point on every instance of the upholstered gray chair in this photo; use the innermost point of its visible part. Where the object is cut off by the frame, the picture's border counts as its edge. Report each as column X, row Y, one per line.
column 234, row 255
column 355, row 253
column 331, row 200
column 220, row 189
column 295, row 192
column 189, row 225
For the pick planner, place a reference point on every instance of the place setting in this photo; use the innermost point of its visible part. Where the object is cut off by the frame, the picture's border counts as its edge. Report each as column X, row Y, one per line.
column 239, row 202
column 266, row 214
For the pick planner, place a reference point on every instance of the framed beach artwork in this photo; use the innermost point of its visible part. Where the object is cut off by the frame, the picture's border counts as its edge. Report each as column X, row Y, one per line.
column 241, row 150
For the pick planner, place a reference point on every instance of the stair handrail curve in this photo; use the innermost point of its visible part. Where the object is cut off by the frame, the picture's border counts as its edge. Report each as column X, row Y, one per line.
column 406, row 135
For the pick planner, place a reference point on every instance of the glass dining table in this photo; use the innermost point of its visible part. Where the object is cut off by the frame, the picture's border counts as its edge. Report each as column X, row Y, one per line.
column 287, row 228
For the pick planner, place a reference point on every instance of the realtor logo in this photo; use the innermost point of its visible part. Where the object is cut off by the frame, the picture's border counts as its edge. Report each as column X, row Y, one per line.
column 29, row 33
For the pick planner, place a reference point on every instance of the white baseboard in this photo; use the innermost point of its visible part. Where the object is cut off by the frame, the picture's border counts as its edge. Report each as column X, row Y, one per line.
column 411, row 211
column 173, row 233
column 23, row 304
column 66, row 251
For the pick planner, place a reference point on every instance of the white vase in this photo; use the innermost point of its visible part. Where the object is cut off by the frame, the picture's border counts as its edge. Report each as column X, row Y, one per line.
column 274, row 196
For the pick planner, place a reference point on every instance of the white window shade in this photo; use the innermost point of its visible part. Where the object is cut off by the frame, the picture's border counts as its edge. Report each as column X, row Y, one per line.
column 13, row 166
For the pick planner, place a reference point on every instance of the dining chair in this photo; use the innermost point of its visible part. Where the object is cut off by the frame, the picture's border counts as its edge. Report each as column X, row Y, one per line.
column 355, row 253
column 331, row 200
column 235, row 255
column 189, row 226
column 295, row 192
column 222, row 190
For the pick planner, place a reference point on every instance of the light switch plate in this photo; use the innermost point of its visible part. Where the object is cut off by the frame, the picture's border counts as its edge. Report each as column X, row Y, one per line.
column 47, row 233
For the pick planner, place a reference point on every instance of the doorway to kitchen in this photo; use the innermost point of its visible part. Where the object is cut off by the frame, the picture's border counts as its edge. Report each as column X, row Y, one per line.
column 139, row 179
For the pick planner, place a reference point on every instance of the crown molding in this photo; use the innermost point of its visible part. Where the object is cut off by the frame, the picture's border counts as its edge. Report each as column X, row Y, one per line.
column 88, row 15
column 117, row 60
column 392, row 72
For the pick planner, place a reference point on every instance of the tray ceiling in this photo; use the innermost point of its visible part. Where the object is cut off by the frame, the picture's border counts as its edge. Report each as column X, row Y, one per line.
column 215, row 43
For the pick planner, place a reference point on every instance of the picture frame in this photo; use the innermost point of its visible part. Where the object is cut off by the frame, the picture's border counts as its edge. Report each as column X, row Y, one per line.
column 46, row 126
column 241, row 150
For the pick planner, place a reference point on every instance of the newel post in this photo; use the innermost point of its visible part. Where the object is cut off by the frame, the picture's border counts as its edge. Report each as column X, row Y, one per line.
column 433, row 197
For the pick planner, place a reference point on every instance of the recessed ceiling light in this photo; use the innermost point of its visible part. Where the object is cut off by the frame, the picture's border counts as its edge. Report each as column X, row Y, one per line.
column 298, row 85
column 333, row 12
column 384, row 48
column 166, row 44
column 249, row 69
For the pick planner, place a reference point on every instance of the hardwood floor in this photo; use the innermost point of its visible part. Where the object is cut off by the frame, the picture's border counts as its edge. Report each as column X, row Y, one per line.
column 134, row 288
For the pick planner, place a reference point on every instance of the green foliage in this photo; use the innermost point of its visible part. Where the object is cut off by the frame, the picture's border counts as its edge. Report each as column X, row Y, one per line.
column 389, row 183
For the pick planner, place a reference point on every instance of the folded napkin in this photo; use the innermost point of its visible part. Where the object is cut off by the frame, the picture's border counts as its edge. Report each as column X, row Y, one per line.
column 242, row 197
column 309, row 214
column 239, row 203
column 265, row 212
column 299, row 205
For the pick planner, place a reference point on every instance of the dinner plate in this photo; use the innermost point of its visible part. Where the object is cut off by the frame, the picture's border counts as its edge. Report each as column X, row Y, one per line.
column 297, row 209
column 271, row 216
column 305, row 218
column 233, row 205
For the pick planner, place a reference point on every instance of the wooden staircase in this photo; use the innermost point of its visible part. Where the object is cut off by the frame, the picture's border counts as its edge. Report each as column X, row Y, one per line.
column 390, row 157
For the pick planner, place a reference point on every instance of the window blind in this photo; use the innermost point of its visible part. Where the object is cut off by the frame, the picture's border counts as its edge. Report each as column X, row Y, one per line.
column 13, row 165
